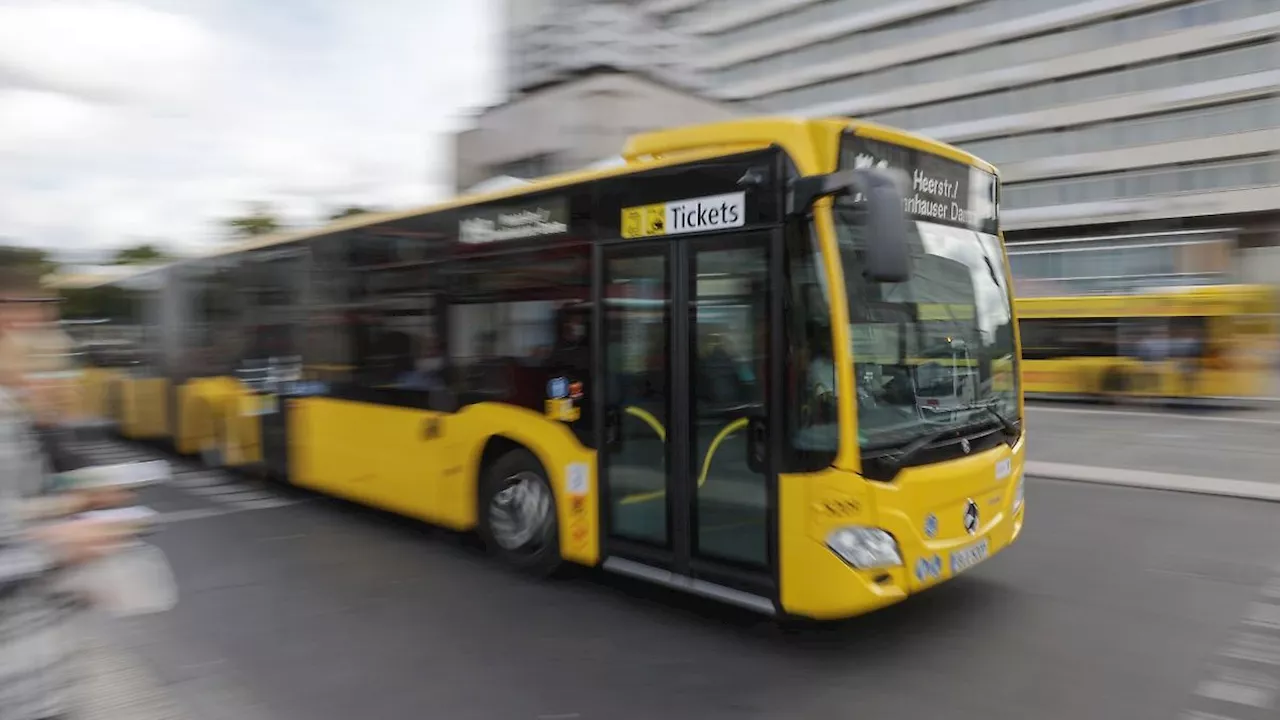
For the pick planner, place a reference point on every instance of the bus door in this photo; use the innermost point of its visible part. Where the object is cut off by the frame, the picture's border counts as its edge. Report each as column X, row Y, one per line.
column 688, row 489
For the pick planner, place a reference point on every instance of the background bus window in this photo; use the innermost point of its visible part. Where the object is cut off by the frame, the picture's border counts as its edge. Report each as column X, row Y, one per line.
column 394, row 320
column 211, row 344
column 517, row 321
column 329, row 351
column 272, row 291
column 1049, row 339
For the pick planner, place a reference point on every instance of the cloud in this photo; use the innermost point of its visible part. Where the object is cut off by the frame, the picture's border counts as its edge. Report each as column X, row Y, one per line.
column 124, row 120
column 103, row 50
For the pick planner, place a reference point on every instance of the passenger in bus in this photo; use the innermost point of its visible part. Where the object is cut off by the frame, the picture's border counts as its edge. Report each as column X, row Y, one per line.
column 719, row 378
column 427, row 370
column 1187, row 350
column 571, row 354
column 1153, row 349
column 822, row 377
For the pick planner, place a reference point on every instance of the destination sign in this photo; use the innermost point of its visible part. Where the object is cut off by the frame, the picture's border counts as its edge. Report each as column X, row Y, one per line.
column 517, row 222
column 940, row 190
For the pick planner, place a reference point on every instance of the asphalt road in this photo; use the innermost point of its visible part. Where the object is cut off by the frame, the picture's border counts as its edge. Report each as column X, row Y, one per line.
column 1239, row 445
column 1115, row 603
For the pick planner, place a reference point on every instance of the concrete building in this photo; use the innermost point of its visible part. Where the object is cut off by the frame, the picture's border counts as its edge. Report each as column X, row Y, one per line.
column 579, row 120
column 581, row 76
column 1123, row 119
column 1123, row 124
column 546, row 41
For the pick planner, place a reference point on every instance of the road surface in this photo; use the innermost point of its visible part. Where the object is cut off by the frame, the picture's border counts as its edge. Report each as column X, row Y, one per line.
column 1239, row 445
column 1116, row 603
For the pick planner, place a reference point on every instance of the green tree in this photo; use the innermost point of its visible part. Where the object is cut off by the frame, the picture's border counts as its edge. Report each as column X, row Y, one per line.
column 260, row 219
column 350, row 210
column 139, row 255
column 15, row 256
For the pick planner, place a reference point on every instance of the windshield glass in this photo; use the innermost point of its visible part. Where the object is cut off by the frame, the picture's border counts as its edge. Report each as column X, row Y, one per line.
column 935, row 352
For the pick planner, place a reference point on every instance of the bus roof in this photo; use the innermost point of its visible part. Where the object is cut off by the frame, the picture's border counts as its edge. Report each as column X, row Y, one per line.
column 811, row 143
column 1192, row 301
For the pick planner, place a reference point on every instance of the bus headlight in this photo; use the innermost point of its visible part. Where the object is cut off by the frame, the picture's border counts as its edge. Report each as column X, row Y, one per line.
column 865, row 548
column 1018, row 492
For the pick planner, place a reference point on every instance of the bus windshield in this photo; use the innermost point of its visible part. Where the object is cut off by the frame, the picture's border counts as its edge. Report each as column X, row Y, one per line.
column 934, row 353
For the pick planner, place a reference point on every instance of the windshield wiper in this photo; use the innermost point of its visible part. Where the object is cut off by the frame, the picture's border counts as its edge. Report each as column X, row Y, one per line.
column 1010, row 427
column 913, row 448
column 908, row 452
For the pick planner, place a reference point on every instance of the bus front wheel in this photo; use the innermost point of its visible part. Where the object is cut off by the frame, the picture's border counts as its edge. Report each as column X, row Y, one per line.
column 518, row 514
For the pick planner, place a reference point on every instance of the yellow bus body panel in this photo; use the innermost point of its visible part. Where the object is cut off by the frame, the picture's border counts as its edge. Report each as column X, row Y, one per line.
column 144, row 408
column 202, row 402
column 380, row 456
column 816, row 583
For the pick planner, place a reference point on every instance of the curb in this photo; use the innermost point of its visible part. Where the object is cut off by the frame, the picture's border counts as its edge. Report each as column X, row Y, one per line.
column 1244, row 489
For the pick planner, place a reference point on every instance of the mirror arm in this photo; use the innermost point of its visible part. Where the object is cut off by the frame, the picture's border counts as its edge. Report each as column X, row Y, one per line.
column 805, row 191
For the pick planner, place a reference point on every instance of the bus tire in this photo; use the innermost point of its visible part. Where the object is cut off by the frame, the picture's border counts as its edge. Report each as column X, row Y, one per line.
column 517, row 514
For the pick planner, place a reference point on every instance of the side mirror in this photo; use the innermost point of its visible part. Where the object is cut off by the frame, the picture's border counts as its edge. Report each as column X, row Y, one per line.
column 884, row 217
column 888, row 232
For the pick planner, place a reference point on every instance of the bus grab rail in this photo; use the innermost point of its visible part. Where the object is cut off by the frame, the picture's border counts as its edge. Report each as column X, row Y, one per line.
column 648, row 418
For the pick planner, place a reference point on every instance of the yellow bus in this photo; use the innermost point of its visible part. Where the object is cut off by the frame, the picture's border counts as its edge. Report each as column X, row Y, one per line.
column 1199, row 344
column 698, row 367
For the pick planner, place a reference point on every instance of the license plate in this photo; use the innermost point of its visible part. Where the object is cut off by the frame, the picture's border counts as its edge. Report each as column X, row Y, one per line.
column 962, row 560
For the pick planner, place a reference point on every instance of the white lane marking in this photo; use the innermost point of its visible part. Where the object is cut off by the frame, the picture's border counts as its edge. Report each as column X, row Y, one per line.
column 1152, row 415
column 197, row 480
column 177, row 516
column 1246, row 489
column 227, row 490
column 267, row 504
column 1235, row 693
column 1254, row 647
column 1272, row 589
column 1264, row 615
column 1246, row 672
column 207, row 483
column 184, row 515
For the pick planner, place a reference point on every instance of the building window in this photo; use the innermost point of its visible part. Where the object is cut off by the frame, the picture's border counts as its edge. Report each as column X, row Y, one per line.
column 526, row 168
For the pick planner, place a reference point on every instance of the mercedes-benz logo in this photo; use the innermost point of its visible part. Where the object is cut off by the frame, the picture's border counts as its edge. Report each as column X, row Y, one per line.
column 965, row 447
column 971, row 517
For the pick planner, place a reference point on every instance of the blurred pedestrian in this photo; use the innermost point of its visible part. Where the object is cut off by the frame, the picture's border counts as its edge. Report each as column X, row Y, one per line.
column 37, row 354
column 39, row 535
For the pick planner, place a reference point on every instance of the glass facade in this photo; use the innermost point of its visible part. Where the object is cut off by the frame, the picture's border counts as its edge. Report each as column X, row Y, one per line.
column 1099, row 113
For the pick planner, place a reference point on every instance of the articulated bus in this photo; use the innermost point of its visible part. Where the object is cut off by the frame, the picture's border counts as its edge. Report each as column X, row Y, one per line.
column 770, row 361
column 1206, row 344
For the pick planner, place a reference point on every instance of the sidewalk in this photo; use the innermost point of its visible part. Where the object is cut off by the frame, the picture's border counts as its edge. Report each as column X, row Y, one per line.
column 118, row 686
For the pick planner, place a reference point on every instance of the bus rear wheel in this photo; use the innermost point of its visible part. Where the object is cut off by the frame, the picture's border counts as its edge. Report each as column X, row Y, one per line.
column 518, row 514
column 211, row 451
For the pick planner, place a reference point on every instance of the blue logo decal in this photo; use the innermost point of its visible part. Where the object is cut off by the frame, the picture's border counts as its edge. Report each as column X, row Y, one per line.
column 558, row 388
column 930, row 525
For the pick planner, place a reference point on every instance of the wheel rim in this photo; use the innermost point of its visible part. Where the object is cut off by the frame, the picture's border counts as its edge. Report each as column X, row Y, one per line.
column 520, row 513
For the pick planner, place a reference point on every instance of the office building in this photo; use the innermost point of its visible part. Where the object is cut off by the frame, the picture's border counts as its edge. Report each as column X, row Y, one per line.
column 581, row 76
column 546, row 41
column 1133, row 124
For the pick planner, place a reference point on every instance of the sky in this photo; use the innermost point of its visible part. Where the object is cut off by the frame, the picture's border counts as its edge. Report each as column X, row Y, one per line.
column 131, row 121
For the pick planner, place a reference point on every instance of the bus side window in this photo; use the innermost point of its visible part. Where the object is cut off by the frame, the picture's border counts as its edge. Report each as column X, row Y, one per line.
column 1056, row 338
column 811, row 426
column 519, row 320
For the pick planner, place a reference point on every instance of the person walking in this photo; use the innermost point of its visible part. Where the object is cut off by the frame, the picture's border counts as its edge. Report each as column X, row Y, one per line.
column 40, row 535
